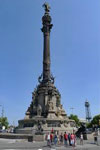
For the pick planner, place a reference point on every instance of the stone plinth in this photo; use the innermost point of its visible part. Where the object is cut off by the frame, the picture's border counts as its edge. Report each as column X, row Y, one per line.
column 38, row 138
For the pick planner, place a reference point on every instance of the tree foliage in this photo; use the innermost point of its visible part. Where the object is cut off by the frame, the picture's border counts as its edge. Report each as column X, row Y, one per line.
column 4, row 122
column 75, row 118
column 95, row 121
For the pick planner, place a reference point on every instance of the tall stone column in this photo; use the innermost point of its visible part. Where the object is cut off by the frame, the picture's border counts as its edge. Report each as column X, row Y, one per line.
column 46, row 21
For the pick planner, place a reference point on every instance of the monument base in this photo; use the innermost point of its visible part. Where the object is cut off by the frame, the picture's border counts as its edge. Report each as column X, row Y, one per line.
column 30, row 126
column 39, row 137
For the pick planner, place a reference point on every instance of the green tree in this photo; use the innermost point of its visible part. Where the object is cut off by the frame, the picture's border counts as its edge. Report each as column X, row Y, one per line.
column 4, row 122
column 75, row 118
column 95, row 121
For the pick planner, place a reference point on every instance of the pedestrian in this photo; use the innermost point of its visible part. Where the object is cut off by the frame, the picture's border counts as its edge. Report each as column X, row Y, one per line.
column 65, row 138
column 48, row 140
column 81, row 139
column 61, row 138
column 58, row 138
column 52, row 130
column 51, row 138
column 55, row 139
column 73, row 139
column 69, row 139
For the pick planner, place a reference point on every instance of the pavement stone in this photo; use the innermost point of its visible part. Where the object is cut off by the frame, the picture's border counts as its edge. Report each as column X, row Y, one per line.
column 8, row 144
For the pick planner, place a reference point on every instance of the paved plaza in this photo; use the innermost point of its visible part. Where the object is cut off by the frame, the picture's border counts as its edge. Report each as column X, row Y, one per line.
column 8, row 144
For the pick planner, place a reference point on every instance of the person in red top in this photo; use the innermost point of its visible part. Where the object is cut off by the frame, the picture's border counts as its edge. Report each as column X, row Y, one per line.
column 73, row 139
column 51, row 138
column 52, row 131
column 65, row 138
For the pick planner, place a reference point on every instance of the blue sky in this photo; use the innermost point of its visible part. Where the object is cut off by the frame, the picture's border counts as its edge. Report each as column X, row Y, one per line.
column 75, row 53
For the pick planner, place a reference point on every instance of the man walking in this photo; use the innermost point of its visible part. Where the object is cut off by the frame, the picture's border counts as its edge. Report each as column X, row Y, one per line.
column 65, row 138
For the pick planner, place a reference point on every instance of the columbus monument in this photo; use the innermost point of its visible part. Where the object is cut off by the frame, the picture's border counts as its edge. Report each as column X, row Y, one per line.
column 46, row 108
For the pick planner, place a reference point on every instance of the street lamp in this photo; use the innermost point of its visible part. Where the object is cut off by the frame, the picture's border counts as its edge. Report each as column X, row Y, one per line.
column 1, row 106
column 2, row 111
column 72, row 109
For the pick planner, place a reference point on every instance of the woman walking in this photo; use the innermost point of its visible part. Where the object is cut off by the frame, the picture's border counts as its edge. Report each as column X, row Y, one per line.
column 73, row 139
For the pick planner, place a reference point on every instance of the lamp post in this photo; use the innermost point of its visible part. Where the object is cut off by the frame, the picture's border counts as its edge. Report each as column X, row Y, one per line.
column 1, row 107
column 2, row 111
column 72, row 109
column 0, row 121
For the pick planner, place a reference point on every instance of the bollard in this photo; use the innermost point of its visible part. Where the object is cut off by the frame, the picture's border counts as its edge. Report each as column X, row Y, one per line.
column 96, row 140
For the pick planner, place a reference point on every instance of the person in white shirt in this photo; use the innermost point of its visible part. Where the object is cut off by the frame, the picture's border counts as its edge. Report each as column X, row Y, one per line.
column 81, row 139
column 48, row 139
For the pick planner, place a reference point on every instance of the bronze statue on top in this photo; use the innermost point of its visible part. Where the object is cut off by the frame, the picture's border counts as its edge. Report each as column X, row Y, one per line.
column 46, row 6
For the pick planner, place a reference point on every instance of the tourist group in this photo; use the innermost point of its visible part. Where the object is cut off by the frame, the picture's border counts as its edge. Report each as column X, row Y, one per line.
column 61, row 139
